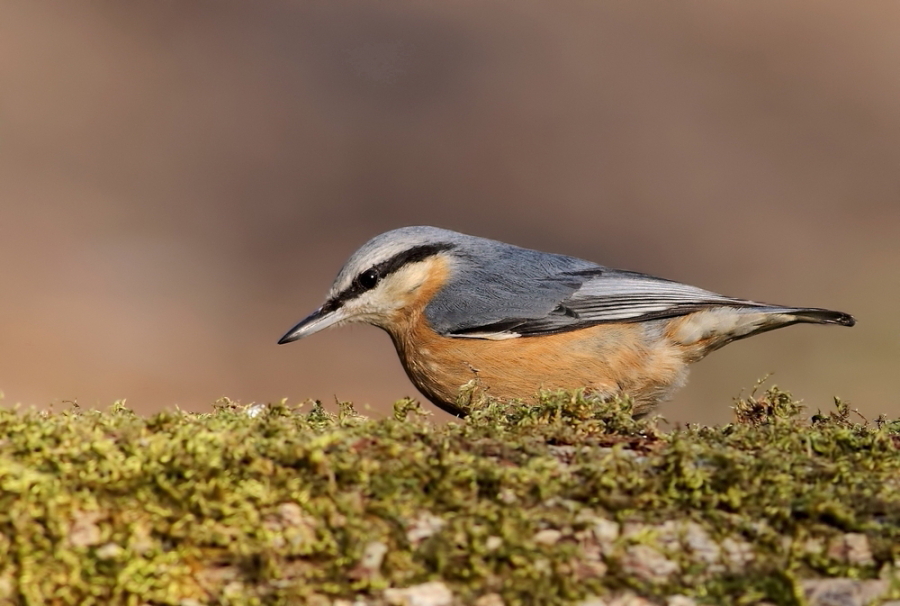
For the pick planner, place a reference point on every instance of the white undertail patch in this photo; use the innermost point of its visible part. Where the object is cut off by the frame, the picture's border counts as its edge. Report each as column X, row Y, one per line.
column 727, row 322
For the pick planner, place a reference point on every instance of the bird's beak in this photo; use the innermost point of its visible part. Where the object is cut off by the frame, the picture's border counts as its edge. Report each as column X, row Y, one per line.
column 314, row 322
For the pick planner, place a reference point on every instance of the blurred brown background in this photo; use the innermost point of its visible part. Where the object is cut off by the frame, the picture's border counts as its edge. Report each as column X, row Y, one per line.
column 180, row 181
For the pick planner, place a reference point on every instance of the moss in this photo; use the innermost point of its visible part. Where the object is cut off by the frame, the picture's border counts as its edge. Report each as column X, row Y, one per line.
column 539, row 504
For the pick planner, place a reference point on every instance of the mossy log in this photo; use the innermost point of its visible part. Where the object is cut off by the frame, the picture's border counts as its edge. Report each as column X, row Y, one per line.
column 569, row 501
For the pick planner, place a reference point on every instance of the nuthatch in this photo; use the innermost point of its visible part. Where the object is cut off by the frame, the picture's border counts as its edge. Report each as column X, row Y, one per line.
column 517, row 321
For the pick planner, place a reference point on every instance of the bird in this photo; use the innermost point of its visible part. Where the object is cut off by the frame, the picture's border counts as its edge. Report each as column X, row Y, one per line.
column 517, row 321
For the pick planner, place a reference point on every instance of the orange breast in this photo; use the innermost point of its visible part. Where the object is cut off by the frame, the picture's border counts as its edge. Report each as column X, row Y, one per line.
column 607, row 359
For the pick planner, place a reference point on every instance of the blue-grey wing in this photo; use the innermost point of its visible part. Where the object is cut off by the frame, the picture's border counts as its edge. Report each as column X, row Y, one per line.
column 503, row 286
column 599, row 295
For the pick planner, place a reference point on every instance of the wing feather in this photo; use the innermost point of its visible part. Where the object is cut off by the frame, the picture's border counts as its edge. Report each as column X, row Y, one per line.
column 606, row 296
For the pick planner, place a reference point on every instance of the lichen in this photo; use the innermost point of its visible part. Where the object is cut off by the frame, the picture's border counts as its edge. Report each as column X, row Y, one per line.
column 565, row 501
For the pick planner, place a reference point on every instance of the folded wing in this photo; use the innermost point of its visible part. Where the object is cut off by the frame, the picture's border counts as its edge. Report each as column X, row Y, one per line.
column 607, row 296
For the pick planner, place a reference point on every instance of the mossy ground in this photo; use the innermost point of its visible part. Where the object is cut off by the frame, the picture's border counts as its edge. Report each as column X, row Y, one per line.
column 543, row 504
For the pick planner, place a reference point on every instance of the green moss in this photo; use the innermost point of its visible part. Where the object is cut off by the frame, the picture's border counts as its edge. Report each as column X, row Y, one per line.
column 541, row 504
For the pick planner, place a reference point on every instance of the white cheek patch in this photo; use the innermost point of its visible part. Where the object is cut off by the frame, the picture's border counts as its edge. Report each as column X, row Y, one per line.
column 403, row 283
column 361, row 308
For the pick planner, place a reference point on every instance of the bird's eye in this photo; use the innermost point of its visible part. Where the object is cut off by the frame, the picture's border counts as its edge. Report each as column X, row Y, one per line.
column 368, row 279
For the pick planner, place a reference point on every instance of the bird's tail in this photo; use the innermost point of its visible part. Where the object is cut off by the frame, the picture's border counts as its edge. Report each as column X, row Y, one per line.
column 705, row 331
column 755, row 320
column 820, row 316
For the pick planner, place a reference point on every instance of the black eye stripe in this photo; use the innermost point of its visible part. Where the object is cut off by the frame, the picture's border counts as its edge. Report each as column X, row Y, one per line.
column 383, row 270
